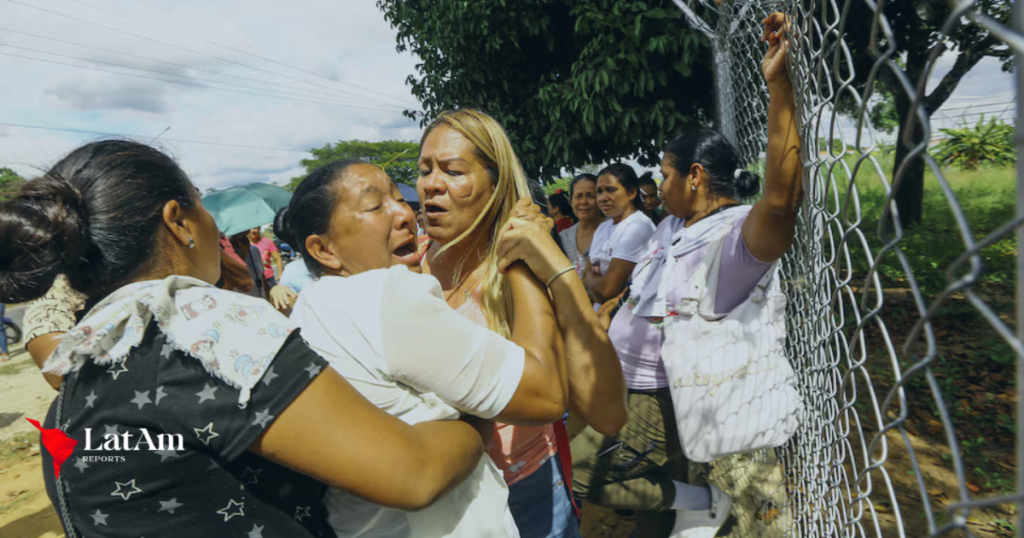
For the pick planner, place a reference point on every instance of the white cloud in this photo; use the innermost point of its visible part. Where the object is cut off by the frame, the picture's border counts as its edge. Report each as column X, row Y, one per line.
column 348, row 41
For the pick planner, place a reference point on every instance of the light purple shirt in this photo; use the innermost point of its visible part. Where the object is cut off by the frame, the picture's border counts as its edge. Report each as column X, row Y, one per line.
column 638, row 340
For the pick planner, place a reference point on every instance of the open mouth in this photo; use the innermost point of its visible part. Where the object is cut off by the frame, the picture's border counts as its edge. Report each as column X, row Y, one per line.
column 407, row 252
column 434, row 210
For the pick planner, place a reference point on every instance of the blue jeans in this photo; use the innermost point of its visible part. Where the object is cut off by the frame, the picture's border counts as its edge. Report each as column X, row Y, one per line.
column 3, row 333
column 540, row 504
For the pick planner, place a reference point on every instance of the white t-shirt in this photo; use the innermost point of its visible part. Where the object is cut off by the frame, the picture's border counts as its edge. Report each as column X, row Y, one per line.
column 390, row 333
column 626, row 241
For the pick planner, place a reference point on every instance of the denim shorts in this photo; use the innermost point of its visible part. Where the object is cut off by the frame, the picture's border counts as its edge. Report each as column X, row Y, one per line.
column 540, row 504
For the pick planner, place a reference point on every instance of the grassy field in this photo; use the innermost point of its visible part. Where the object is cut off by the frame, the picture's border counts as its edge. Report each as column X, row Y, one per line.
column 985, row 199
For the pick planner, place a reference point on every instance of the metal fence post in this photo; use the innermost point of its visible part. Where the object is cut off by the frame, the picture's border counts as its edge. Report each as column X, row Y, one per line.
column 1018, row 26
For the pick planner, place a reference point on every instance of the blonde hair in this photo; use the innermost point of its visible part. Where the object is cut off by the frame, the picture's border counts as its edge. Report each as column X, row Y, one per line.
column 510, row 185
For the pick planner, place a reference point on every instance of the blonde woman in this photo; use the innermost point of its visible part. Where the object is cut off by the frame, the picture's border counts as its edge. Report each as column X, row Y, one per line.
column 470, row 184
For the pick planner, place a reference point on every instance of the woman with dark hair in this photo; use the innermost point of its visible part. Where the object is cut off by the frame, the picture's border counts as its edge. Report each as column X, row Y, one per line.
column 215, row 383
column 415, row 358
column 651, row 197
column 577, row 238
column 620, row 241
column 560, row 210
column 704, row 184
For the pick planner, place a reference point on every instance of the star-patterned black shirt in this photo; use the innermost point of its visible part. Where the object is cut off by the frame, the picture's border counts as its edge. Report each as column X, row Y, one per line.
column 214, row 486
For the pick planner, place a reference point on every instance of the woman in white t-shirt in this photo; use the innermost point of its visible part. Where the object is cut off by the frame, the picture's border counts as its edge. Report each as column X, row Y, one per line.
column 621, row 241
column 391, row 334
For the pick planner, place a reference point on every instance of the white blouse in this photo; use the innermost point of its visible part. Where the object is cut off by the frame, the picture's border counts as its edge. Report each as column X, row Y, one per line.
column 390, row 333
column 627, row 240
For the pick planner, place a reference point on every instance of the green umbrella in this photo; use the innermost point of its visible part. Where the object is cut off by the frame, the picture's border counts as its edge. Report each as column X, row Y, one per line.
column 248, row 206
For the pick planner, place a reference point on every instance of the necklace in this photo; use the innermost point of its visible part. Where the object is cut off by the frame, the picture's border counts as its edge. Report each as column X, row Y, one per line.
column 460, row 285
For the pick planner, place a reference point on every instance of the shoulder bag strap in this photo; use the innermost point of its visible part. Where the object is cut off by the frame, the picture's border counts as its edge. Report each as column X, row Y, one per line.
column 693, row 299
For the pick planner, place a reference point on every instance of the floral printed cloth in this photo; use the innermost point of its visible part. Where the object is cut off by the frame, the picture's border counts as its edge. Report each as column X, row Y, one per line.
column 206, row 323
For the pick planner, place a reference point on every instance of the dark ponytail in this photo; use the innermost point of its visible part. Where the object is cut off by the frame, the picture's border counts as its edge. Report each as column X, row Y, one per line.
column 626, row 176
column 721, row 163
column 281, row 227
column 94, row 217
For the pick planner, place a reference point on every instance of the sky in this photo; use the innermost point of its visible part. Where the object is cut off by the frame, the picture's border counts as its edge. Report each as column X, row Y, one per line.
column 335, row 60
column 345, row 41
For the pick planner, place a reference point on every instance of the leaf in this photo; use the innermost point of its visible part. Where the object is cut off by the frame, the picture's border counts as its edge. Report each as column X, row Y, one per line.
column 575, row 83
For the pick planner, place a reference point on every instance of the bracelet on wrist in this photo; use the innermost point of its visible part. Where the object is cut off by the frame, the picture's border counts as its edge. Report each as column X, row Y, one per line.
column 558, row 274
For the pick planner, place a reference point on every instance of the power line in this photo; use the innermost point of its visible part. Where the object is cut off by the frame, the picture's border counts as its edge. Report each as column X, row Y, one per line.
column 186, row 49
column 97, row 7
column 186, row 83
column 978, row 105
column 70, row 130
column 405, row 101
column 273, row 93
column 183, row 66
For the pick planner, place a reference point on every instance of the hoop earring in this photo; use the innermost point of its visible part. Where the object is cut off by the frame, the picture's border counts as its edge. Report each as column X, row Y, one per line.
column 191, row 243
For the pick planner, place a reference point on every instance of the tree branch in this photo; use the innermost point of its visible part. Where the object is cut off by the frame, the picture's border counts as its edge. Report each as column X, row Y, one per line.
column 965, row 61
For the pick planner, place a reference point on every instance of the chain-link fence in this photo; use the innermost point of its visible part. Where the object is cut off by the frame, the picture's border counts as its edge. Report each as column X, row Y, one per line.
column 887, row 355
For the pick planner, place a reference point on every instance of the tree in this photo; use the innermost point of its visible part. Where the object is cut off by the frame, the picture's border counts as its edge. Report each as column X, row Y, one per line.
column 397, row 158
column 916, row 28
column 572, row 82
column 10, row 183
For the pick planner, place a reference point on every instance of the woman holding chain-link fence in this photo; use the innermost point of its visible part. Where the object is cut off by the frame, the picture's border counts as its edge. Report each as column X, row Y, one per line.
column 644, row 468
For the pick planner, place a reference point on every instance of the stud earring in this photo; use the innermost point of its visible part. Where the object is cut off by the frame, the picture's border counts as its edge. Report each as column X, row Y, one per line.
column 191, row 243
column 693, row 188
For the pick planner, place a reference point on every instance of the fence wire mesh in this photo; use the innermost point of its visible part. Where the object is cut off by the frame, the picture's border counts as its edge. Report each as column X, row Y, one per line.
column 882, row 452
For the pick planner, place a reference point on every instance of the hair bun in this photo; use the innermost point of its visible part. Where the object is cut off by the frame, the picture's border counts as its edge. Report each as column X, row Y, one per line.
column 43, row 232
column 747, row 183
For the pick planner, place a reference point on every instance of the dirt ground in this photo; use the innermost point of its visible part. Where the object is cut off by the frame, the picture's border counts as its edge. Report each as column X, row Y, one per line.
column 25, row 510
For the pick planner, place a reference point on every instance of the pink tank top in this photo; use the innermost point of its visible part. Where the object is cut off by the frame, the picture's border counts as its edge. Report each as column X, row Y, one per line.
column 517, row 450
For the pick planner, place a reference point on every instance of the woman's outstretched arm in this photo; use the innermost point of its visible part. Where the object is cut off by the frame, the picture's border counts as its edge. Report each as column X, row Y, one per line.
column 768, row 231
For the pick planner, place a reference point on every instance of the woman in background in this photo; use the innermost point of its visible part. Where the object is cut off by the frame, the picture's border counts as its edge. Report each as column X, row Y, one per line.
column 621, row 241
column 644, row 468
column 560, row 210
column 577, row 238
column 651, row 197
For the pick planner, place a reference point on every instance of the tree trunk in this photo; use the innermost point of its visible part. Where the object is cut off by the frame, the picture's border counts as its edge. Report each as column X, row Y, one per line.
column 910, row 192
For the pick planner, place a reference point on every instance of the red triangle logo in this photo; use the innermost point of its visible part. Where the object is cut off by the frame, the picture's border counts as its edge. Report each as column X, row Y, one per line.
column 57, row 443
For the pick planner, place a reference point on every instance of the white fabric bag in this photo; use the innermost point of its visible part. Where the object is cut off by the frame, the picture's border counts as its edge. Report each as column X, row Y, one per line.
column 733, row 389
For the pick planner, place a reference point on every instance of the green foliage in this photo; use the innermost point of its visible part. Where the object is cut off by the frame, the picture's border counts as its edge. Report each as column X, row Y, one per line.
column 969, row 147
column 884, row 116
column 397, row 158
column 10, row 183
column 560, row 183
column 986, row 198
column 920, row 31
column 571, row 82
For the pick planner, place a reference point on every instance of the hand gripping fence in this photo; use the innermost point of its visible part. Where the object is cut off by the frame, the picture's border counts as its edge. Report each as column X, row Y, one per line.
column 856, row 466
